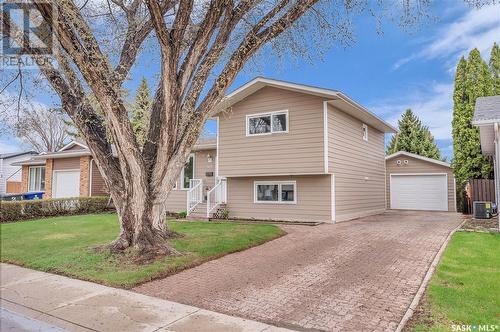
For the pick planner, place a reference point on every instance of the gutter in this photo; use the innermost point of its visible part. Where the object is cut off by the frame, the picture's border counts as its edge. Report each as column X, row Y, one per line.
column 62, row 155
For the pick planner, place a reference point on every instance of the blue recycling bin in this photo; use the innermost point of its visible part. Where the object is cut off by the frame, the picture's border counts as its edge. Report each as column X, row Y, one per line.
column 33, row 195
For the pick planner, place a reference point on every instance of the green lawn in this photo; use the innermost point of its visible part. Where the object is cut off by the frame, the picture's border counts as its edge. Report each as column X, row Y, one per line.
column 65, row 245
column 466, row 286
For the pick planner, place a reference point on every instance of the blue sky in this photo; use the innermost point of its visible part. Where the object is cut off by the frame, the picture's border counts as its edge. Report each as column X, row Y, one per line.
column 386, row 72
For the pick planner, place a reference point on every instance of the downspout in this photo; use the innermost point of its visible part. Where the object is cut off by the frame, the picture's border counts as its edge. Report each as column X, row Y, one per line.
column 495, row 169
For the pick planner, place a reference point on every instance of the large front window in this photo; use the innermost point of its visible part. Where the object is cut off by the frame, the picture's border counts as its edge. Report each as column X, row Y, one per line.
column 275, row 192
column 36, row 180
column 268, row 123
column 187, row 172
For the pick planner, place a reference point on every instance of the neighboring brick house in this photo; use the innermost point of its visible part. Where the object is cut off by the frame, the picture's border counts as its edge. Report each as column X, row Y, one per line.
column 68, row 172
column 71, row 172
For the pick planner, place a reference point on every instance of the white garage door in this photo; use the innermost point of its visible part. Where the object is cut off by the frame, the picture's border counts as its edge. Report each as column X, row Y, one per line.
column 66, row 184
column 419, row 192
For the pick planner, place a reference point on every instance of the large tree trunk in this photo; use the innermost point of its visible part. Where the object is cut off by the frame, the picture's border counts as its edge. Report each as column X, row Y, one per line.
column 141, row 214
column 142, row 227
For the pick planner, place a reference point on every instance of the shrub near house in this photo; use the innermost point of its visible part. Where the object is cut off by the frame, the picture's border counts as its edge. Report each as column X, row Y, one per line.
column 23, row 210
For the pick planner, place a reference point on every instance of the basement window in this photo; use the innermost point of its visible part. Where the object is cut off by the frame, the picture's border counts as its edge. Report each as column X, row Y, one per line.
column 281, row 192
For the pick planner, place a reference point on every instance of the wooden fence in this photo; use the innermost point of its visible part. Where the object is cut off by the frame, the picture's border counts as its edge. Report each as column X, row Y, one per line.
column 482, row 190
column 478, row 190
column 13, row 187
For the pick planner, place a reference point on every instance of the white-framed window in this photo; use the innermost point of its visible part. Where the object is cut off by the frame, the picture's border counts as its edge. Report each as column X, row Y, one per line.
column 187, row 172
column 267, row 123
column 277, row 192
column 365, row 132
column 36, row 178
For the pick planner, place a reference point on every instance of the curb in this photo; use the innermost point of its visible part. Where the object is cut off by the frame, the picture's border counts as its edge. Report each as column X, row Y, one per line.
column 421, row 290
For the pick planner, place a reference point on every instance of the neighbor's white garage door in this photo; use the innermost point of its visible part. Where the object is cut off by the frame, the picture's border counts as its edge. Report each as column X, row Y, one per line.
column 66, row 184
column 419, row 192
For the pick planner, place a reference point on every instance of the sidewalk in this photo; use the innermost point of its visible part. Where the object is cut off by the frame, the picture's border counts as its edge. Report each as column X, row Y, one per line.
column 41, row 300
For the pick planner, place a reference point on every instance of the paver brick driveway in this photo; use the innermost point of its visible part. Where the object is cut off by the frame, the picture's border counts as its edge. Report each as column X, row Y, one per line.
column 359, row 275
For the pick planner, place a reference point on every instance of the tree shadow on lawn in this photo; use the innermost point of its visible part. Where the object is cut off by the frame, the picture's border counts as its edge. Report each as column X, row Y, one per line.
column 66, row 245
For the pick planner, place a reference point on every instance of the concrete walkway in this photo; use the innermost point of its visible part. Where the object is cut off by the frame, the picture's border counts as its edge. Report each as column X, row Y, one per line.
column 38, row 301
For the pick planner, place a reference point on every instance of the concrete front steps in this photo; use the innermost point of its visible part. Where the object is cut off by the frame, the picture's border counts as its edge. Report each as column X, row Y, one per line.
column 200, row 212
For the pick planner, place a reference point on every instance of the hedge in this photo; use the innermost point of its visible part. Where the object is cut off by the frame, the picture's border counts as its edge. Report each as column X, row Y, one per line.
column 41, row 208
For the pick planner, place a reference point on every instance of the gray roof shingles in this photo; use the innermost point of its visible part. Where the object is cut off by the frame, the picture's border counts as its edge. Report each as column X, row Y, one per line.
column 487, row 108
column 15, row 154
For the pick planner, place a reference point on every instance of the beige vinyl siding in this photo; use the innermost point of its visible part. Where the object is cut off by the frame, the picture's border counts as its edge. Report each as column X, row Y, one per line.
column 202, row 166
column 312, row 194
column 177, row 199
column 66, row 163
column 98, row 187
column 417, row 166
column 300, row 151
column 358, row 166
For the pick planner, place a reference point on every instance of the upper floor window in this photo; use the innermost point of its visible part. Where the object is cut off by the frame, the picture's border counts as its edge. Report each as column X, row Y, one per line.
column 36, row 181
column 365, row 132
column 267, row 123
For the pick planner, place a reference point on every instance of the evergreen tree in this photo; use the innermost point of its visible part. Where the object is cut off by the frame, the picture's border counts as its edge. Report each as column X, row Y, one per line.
column 413, row 137
column 141, row 112
column 472, row 79
column 495, row 68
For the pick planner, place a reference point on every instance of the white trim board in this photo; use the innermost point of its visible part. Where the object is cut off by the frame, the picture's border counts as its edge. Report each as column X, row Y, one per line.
column 416, row 156
column 332, row 199
column 71, row 144
column 217, row 148
column 90, row 177
column 325, row 135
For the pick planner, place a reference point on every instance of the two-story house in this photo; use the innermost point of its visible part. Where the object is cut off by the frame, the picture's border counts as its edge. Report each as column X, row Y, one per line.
column 283, row 151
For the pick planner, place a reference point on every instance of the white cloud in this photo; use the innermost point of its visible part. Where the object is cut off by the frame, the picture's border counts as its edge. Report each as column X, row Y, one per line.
column 7, row 146
column 477, row 28
column 433, row 105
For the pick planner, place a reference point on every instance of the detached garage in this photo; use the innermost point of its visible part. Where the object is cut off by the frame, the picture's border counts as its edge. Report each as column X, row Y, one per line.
column 419, row 183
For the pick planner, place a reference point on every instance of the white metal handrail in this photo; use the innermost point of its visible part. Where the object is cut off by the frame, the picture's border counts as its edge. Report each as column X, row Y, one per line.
column 217, row 195
column 194, row 194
